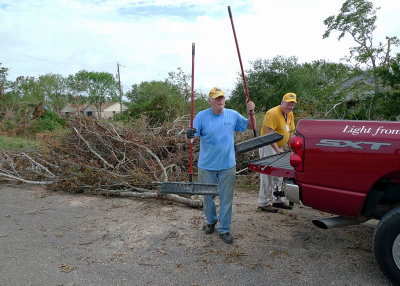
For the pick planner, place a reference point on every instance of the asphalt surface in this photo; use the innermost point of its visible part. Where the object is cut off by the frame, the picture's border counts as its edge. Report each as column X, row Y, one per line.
column 49, row 238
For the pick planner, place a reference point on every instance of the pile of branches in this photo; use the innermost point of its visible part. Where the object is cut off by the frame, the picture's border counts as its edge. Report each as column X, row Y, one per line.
column 99, row 157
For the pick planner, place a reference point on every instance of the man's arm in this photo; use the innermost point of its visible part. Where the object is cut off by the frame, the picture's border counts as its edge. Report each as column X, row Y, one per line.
column 250, row 107
column 290, row 136
column 273, row 145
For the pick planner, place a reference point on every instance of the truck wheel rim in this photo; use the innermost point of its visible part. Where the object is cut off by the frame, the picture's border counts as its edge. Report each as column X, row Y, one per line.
column 396, row 251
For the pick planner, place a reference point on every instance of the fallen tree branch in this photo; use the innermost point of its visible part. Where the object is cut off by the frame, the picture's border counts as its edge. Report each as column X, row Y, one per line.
column 334, row 107
column 175, row 198
column 38, row 164
column 26, row 181
column 93, row 151
column 151, row 153
column 186, row 201
column 120, row 193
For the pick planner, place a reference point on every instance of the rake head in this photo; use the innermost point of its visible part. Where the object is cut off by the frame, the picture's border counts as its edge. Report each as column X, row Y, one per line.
column 189, row 188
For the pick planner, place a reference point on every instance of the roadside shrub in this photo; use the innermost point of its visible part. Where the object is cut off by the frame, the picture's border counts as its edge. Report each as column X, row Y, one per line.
column 121, row 117
column 49, row 121
column 158, row 109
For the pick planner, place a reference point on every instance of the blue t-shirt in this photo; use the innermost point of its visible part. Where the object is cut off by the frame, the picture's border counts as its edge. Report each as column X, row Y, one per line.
column 216, row 133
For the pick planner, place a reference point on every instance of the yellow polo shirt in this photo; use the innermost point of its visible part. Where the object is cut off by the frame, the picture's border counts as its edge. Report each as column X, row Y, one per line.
column 275, row 120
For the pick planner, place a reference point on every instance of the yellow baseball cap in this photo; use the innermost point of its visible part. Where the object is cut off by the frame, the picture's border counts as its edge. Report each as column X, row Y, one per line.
column 216, row 92
column 288, row 97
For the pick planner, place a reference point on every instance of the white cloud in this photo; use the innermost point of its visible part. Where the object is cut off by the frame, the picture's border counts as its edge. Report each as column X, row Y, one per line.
column 151, row 38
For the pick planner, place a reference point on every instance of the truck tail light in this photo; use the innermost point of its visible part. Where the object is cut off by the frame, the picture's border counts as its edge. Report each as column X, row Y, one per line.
column 296, row 158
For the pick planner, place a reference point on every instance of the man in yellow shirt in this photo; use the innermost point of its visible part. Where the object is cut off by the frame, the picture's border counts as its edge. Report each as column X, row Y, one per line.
column 281, row 120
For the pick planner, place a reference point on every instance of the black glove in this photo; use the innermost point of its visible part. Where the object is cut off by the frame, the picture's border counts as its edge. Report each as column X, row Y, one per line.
column 190, row 133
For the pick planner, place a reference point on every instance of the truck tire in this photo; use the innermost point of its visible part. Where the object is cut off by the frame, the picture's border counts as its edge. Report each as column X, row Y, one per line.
column 386, row 245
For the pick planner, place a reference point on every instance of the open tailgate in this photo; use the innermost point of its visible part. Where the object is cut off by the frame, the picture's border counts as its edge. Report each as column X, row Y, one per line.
column 276, row 165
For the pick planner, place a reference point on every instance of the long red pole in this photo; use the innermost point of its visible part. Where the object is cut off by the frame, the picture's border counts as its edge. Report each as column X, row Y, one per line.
column 191, row 117
column 241, row 66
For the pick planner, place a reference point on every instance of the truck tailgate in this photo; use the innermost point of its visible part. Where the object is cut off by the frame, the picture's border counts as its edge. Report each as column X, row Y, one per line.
column 276, row 165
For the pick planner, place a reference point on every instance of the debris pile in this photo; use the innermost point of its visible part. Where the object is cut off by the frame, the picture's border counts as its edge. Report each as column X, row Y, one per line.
column 100, row 157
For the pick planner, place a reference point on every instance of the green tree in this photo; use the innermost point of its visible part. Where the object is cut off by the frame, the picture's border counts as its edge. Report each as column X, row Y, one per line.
column 49, row 89
column 357, row 18
column 3, row 79
column 6, row 98
column 269, row 80
column 26, row 89
column 99, row 87
column 157, row 100
column 183, row 82
column 389, row 99
column 53, row 90
column 75, row 91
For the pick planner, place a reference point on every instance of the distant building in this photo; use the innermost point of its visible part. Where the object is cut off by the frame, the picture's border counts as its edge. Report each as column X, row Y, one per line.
column 108, row 110
column 73, row 109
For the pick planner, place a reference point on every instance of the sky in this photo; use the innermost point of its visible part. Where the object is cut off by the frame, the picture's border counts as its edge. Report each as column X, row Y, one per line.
column 150, row 38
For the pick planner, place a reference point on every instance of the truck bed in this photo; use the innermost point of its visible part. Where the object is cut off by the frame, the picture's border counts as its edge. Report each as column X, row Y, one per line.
column 276, row 165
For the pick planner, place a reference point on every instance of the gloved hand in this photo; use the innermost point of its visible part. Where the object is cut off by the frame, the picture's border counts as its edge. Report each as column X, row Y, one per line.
column 190, row 132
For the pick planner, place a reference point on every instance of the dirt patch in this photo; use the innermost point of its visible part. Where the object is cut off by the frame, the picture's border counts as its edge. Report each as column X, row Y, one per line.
column 49, row 238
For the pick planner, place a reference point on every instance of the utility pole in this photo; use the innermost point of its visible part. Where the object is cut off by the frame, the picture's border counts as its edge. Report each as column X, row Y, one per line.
column 120, row 91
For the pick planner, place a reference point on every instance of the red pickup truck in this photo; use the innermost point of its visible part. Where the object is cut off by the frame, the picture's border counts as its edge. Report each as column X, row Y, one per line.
column 347, row 168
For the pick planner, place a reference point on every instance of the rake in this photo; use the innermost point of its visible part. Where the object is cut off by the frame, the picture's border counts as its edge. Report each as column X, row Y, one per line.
column 190, row 188
column 257, row 142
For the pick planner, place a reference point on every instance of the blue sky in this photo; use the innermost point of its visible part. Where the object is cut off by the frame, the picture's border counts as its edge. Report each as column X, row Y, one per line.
column 151, row 38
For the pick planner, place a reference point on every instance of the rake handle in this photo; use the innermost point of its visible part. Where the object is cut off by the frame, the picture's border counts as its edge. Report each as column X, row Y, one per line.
column 191, row 117
column 244, row 78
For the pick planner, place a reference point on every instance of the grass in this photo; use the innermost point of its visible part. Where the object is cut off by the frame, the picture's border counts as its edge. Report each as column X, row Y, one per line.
column 15, row 143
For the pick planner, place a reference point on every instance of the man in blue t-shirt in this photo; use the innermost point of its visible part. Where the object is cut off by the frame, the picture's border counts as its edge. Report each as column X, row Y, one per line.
column 216, row 127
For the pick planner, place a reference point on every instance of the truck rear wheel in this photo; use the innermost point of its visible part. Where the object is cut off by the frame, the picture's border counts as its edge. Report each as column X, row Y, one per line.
column 386, row 245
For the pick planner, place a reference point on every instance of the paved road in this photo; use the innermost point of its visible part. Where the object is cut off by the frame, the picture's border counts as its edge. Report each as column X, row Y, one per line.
column 72, row 239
